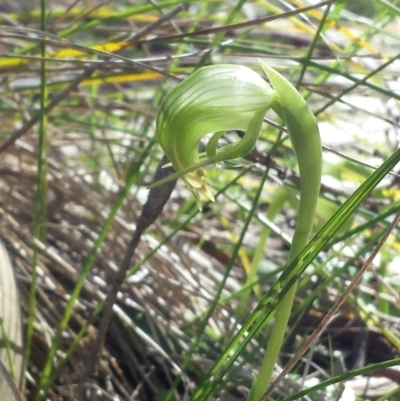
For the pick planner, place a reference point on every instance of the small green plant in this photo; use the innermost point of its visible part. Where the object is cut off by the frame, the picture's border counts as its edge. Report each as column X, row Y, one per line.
column 218, row 98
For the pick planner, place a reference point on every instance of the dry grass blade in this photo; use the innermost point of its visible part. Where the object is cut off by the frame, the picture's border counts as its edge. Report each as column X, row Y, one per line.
column 247, row 23
column 8, row 389
column 11, row 328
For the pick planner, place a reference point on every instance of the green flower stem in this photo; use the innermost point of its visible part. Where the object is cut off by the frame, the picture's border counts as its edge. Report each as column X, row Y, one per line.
column 304, row 135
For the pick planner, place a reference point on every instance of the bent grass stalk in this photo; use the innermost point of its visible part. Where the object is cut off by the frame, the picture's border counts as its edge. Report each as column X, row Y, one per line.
column 227, row 97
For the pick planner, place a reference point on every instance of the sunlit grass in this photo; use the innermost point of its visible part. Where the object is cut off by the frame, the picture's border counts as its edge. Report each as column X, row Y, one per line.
column 100, row 134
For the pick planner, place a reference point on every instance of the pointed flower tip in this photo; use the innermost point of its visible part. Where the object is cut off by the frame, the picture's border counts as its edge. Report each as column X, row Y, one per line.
column 196, row 182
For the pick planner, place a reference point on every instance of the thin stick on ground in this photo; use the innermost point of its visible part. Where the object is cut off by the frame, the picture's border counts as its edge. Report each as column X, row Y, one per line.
column 151, row 210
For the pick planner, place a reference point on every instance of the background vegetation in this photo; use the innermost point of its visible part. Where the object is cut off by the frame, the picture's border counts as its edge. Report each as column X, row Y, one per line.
column 81, row 83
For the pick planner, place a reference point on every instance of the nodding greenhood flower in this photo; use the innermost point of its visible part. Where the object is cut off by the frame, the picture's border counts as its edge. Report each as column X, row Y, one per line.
column 214, row 99
column 219, row 98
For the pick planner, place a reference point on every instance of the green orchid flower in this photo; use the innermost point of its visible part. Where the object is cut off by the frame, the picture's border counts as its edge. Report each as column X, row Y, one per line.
column 213, row 99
